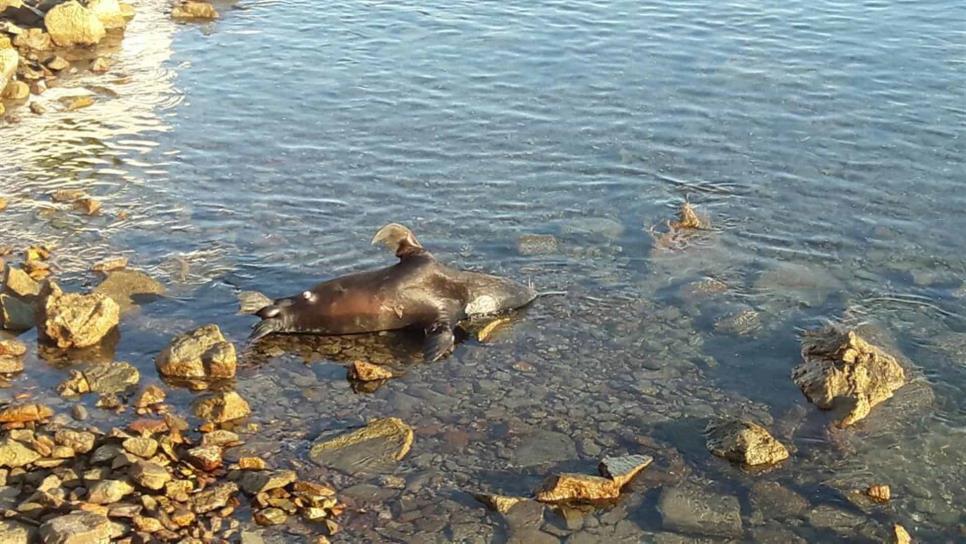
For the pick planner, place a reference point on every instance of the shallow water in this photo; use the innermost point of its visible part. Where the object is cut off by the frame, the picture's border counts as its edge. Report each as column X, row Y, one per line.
column 825, row 140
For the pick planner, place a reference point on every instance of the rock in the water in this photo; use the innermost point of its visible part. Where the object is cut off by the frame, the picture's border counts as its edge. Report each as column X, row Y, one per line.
column 900, row 535
column 9, row 58
column 221, row 407
column 249, row 302
column 624, row 468
column 19, row 282
column 72, row 103
column 73, row 320
column 150, row 396
column 11, row 352
column 108, row 12
column 499, row 503
column 744, row 442
column 77, row 528
column 72, row 24
column 577, row 487
column 536, row 244
column 741, row 323
column 58, row 63
column 879, row 493
column 129, row 288
column 35, row 39
column 113, row 377
column 842, row 370
column 201, row 353
column 110, row 265
column 378, row 445
column 194, row 10
column 544, row 446
column 368, row 372
column 25, row 413
column 16, row 314
column 773, row 501
column 13, row 454
column 207, row 458
column 254, row 482
column 688, row 508
column 16, row 90
column 270, row 516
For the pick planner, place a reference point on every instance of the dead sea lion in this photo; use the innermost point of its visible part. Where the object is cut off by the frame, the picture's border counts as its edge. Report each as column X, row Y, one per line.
column 417, row 292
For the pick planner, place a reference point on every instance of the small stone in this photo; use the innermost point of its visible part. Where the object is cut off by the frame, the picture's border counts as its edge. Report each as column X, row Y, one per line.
column 73, row 103
column 368, row 372
column 178, row 490
column 213, row 497
column 19, row 282
column 537, row 244
column 11, row 347
column 37, row 108
column 221, row 407
column 879, row 493
column 220, row 437
column 58, row 63
column 900, row 535
column 143, row 447
column 207, row 458
column 624, row 468
column 79, row 412
column 201, row 353
column 87, row 205
column 381, row 443
column 76, row 528
column 149, row 474
column 16, row 90
column 100, row 65
column 577, row 487
column 16, row 314
column 114, row 377
column 109, row 265
column 194, row 10
column 10, row 365
column 146, row 524
column 254, row 482
column 499, row 503
column 182, row 517
column 251, row 463
column 33, row 38
column 270, row 516
column 79, row 441
column 150, row 396
column 744, row 442
column 109, row 491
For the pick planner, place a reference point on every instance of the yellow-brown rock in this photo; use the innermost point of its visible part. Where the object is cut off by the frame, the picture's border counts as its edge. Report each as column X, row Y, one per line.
column 744, row 442
column 368, row 372
column 25, row 413
column 73, row 320
column 194, row 10
column 72, row 24
column 879, row 493
column 577, row 487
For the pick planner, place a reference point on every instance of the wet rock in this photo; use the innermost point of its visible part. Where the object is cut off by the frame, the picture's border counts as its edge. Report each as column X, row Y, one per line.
column 129, row 288
column 221, row 407
column 16, row 90
column 35, row 39
column 879, row 493
column 25, row 413
column 13, row 454
column 77, row 528
column 73, row 320
column 12, row 532
column 110, row 265
column 194, row 10
column 537, row 244
column 213, row 497
column 252, row 463
column 771, row 500
column 150, row 396
column 622, row 469
column 72, row 24
column 73, row 103
column 37, row 108
column 140, row 446
column 11, row 352
column 9, row 58
column 688, row 508
column 543, row 447
column 16, row 314
column 744, row 442
column 595, row 227
column 270, row 516
column 841, row 370
column 207, row 458
column 108, row 12
column 577, row 487
column 250, row 302
column 67, row 195
column 100, row 66
column 113, row 377
column 19, row 282
column 829, row 517
column 201, row 353
column 149, row 474
column 499, row 503
column 109, row 491
column 79, row 441
column 87, row 205
column 147, row 524
column 378, row 445
column 79, row 412
column 368, row 372
column 900, row 535
column 57, row 63
column 254, row 482
column 741, row 323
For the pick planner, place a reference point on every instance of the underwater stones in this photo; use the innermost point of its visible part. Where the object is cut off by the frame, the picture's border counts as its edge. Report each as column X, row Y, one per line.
column 201, row 353
column 380, row 444
column 840, row 369
column 221, row 407
column 900, row 535
column 772, row 500
column 800, row 284
column 740, row 323
column 368, row 372
column 577, row 487
column 537, row 244
column 688, row 508
column 74, row 320
column 744, row 442
column 543, row 446
column 127, row 287
column 72, row 24
column 114, row 377
column 622, row 469
column 76, row 528
column 194, row 10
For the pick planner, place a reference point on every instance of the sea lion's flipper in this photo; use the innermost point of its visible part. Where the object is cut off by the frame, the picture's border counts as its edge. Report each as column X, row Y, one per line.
column 440, row 339
column 399, row 239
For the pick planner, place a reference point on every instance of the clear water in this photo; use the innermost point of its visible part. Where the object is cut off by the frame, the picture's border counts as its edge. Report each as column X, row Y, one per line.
column 825, row 139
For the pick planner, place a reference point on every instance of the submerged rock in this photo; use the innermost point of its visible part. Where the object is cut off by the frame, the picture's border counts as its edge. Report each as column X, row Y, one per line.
column 129, row 287
column 114, row 377
column 221, row 407
column 194, row 10
column 499, row 503
column 74, row 320
column 537, row 244
column 72, row 24
column 77, row 528
column 16, row 314
column 744, row 442
column 842, row 370
column 201, row 353
column 368, row 372
column 688, row 508
column 11, row 352
column 624, row 468
column 380, row 444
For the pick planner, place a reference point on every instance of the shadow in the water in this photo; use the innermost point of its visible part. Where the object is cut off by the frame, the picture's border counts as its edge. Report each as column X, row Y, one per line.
column 103, row 352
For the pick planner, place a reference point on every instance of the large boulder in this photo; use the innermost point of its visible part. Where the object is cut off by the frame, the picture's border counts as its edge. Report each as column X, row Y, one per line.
column 201, row 353
column 841, row 370
column 744, row 442
column 108, row 12
column 74, row 320
column 72, row 24
column 8, row 65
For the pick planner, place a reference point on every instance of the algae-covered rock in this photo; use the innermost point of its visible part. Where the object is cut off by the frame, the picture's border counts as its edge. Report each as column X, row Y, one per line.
column 744, row 442
column 72, row 24
column 841, row 370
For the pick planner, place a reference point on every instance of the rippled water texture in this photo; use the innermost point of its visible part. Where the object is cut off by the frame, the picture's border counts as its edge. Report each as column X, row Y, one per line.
column 825, row 139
